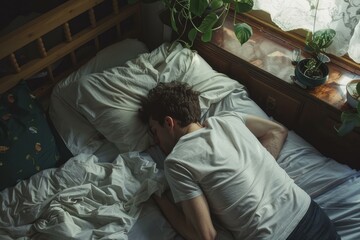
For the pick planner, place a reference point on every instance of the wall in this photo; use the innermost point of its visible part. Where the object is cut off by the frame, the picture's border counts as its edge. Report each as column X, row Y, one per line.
column 9, row 10
column 154, row 31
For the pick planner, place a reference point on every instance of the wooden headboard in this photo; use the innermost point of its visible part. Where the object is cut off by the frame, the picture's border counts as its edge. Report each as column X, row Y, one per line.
column 63, row 39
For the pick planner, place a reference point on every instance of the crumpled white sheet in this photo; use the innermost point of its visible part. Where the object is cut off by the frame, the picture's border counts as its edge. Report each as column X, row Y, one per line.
column 83, row 199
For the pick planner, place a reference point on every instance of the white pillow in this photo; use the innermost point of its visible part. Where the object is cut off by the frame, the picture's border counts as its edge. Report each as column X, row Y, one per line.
column 110, row 100
column 78, row 134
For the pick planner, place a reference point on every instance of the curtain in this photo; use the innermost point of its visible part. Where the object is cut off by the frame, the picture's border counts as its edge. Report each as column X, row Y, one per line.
column 341, row 15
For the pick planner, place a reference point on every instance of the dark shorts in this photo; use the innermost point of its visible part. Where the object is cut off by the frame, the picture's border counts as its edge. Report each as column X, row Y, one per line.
column 315, row 225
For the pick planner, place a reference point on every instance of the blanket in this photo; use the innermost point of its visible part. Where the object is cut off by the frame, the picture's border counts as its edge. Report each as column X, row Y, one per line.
column 84, row 199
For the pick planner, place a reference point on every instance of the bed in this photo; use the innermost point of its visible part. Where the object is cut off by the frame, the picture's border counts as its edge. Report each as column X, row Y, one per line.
column 88, row 166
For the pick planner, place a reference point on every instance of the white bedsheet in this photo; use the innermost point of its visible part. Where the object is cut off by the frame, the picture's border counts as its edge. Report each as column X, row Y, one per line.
column 83, row 199
column 334, row 186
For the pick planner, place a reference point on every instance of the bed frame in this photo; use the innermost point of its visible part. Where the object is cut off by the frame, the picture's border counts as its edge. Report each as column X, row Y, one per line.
column 87, row 26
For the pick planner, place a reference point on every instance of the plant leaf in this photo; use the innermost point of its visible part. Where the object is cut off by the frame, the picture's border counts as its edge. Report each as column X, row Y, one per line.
column 192, row 35
column 206, row 37
column 216, row 4
column 173, row 22
column 323, row 38
column 349, row 120
column 242, row 32
column 208, row 22
column 243, row 6
column 197, row 7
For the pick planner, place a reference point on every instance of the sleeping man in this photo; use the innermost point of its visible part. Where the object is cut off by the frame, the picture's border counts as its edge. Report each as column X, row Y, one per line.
column 225, row 171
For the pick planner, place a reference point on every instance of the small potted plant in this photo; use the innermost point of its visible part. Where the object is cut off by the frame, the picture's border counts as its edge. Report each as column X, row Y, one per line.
column 351, row 119
column 312, row 72
column 202, row 17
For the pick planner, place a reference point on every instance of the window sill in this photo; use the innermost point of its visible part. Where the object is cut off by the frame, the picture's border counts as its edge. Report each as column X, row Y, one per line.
column 272, row 53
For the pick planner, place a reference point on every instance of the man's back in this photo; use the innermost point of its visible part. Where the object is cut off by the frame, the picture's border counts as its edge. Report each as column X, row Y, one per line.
column 244, row 186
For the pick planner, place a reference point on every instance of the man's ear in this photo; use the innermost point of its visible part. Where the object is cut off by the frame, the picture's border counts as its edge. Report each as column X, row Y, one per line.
column 169, row 122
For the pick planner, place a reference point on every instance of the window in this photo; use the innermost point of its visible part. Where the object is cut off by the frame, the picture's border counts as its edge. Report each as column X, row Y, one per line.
column 340, row 15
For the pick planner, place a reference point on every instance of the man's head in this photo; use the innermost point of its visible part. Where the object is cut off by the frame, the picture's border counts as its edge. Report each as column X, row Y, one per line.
column 170, row 105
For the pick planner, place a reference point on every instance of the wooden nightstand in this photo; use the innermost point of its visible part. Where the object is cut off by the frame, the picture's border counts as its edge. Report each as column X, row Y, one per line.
column 263, row 65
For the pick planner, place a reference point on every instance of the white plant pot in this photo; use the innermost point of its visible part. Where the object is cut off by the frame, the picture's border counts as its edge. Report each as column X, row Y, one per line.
column 351, row 95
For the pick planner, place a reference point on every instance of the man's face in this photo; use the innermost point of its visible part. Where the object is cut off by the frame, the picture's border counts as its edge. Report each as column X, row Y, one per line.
column 163, row 135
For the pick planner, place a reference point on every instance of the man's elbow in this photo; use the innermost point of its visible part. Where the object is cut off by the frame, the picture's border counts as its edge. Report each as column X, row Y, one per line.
column 282, row 131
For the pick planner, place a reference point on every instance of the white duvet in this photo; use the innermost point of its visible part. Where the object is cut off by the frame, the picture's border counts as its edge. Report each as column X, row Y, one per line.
column 83, row 199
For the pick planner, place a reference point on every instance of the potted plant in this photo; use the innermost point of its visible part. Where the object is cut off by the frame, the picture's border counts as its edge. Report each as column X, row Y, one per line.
column 313, row 71
column 194, row 17
column 351, row 119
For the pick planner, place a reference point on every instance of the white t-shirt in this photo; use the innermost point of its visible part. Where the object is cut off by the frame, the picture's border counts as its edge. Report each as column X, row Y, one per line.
column 247, row 191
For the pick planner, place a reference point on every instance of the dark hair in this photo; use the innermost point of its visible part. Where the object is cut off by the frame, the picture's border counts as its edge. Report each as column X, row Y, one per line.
column 173, row 99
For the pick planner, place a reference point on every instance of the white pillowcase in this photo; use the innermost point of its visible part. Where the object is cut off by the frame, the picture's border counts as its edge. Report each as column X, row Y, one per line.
column 76, row 131
column 106, row 104
column 110, row 100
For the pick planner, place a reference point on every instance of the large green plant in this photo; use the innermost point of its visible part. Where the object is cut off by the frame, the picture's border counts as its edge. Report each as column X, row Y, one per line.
column 193, row 17
column 350, row 119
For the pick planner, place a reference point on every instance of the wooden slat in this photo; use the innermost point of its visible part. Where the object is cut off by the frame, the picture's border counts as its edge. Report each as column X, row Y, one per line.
column 67, row 32
column 73, row 58
column 115, row 6
column 43, row 24
column 41, row 47
column 92, row 17
column 50, row 73
column 64, row 49
column 14, row 63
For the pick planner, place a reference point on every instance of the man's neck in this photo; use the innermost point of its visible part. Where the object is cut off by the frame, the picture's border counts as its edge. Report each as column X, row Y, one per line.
column 188, row 129
column 192, row 127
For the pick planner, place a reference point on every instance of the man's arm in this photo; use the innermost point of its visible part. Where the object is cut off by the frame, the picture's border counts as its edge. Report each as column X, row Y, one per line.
column 194, row 222
column 271, row 134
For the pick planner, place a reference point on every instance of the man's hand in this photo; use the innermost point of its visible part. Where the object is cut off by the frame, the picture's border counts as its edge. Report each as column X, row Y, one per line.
column 193, row 222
